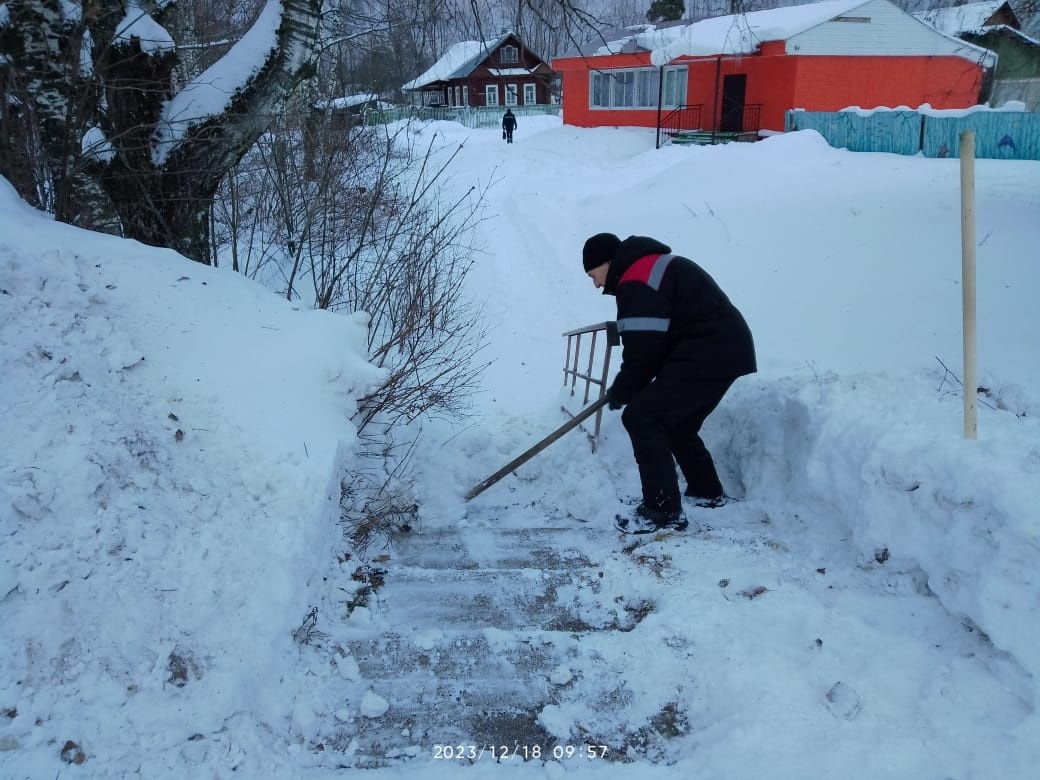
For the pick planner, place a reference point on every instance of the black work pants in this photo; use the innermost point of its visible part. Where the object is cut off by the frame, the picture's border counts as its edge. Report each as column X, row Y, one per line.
column 664, row 422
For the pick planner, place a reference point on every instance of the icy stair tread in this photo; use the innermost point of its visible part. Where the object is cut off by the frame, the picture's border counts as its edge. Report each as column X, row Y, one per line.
column 464, row 636
column 460, row 549
column 497, row 598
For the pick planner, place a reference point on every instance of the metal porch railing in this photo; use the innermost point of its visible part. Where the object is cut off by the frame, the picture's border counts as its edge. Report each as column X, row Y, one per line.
column 677, row 120
column 676, row 132
column 751, row 118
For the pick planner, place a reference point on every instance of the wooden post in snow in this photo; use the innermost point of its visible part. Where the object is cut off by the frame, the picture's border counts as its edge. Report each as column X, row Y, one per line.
column 971, row 384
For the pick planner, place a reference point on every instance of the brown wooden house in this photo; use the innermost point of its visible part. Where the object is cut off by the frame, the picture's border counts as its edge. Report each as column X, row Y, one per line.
column 485, row 74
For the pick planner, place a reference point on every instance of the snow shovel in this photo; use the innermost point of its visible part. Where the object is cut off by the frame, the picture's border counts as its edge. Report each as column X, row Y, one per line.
column 574, row 422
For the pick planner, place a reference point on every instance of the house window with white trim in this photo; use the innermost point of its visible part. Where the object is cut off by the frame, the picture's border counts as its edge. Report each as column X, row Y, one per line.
column 647, row 82
column 432, row 97
column 530, row 95
column 510, row 94
column 674, row 93
column 599, row 90
column 491, row 95
column 623, row 88
column 637, row 88
column 465, row 96
column 509, row 55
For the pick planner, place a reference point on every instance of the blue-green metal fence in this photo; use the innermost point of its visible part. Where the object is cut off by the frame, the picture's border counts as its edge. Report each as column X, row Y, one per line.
column 1005, row 135
column 999, row 135
column 898, row 132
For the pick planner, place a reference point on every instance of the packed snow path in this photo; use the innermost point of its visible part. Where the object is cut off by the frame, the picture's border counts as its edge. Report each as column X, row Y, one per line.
column 541, row 639
column 798, row 633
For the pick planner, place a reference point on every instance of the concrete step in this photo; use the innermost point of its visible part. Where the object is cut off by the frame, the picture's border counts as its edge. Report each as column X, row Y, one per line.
column 465, row 636
column 516, row 599
column 705, row 137
column 457, row 549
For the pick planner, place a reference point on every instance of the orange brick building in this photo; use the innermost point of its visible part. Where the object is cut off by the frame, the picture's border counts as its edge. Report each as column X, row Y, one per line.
column 742, row 73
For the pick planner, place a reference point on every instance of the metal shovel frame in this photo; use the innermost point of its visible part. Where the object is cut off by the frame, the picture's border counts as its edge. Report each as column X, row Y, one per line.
column 574, row 422
column 571, row 372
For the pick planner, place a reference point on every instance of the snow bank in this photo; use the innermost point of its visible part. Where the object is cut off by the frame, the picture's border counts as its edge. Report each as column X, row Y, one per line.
column 195, row 512
column 886, row 455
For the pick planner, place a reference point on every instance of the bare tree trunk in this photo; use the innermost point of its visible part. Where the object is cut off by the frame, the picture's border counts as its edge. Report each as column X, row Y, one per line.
column 122, row 92
column 47, row 107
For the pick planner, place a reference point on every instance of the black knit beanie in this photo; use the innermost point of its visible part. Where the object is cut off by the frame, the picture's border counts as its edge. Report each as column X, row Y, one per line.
column 599, row 250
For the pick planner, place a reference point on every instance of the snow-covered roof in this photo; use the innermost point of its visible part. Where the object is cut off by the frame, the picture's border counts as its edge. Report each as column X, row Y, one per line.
column 457, row 56
column 347, row 101
column 732, row 34
column 1013, row 33
column 970, row 17
column 459, row 61
column 738, row 33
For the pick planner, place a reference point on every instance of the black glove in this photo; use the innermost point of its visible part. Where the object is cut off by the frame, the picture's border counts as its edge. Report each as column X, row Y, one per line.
column 613, row 401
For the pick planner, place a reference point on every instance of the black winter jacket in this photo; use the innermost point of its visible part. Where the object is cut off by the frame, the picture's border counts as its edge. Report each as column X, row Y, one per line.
column 673, row 319
column 509, row 121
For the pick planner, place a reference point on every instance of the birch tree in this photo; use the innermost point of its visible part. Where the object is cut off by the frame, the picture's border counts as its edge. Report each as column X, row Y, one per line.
column 97, row 128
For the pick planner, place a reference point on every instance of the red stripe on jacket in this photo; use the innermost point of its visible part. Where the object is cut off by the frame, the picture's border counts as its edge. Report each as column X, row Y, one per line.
column 640, row 270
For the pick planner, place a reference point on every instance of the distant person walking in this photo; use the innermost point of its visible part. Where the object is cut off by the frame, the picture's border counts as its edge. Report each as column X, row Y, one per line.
column 508, row 125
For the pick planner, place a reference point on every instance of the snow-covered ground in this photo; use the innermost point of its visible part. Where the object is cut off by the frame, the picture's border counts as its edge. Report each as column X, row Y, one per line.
column 174, row 437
